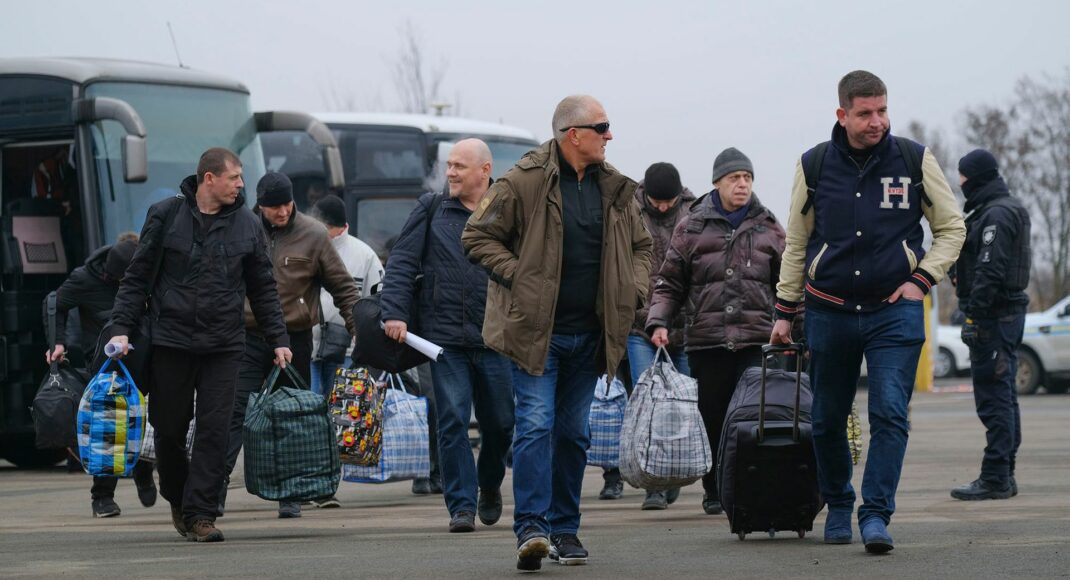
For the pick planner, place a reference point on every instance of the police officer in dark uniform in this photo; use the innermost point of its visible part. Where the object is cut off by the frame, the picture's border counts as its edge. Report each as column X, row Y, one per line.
column 992, row 275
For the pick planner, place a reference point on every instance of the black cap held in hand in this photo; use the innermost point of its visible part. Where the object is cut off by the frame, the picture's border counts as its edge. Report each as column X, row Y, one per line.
column 274, row 189
column 662, row 182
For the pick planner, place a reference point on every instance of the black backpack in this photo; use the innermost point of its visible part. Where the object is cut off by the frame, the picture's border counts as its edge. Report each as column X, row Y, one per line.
column 372, row 347
column 55, row 407
column 812, row 170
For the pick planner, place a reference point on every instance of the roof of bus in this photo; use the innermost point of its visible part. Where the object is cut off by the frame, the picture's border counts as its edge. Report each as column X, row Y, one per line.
column 87, row 70
column 427, row 123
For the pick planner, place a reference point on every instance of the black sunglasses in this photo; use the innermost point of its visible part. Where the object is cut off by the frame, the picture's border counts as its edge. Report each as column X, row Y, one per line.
column 600, row 128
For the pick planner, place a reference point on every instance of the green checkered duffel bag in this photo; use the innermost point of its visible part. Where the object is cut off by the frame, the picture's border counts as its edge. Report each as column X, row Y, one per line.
column 289, row 443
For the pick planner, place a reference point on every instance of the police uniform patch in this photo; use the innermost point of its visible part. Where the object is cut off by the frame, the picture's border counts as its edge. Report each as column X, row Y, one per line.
column 988, row 235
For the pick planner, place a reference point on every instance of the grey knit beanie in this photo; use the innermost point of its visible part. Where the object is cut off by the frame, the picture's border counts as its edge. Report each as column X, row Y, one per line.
column 731, row 160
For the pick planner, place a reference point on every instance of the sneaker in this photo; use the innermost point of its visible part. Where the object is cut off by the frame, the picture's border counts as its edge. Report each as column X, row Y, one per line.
column 531, row 547
column 146, row 491
column 105, row 508
column 204, row 531
column 289, row 510
column 655, row 500
column 979, row 489
column 489, row 507
column 672, row 495
column 838, row 527
column 178, row 522
column 462, row 522
column 875, row 536
column 329, row 503
column 612, row 490
column 711, row 504
column 421, row 486
column 567, row 550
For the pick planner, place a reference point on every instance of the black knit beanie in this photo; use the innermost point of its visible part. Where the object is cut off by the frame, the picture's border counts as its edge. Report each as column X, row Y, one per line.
column 274, row 189
column 979, row 166
column 662, row 182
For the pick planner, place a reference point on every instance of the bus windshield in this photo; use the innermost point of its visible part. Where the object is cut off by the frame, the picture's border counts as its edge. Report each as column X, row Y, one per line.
column 182, row 122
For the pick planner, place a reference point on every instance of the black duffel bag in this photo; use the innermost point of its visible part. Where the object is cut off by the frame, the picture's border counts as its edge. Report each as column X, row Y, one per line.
column 373, row 347
column 55, row 406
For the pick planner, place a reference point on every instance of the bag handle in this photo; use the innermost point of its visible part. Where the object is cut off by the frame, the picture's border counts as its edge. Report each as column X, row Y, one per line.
column 273, row 378
column 50, row 310
column 770, row 349
column 126, row 372
column 663, row 353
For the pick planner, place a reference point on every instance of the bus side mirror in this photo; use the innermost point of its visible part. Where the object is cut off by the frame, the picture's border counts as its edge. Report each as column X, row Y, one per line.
column 135, row 159
column 134, row 151
column 269, row 121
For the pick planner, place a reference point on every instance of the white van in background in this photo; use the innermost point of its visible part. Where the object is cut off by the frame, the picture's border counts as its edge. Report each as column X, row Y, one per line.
column 388, row 160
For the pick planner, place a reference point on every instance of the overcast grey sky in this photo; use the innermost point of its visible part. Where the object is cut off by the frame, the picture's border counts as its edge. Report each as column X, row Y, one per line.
column 680, row 80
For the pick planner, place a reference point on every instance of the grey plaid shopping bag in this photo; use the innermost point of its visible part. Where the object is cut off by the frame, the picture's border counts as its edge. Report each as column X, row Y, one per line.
column 406, row 451
column 289, row 443
column 607, row 417
column 663, row 442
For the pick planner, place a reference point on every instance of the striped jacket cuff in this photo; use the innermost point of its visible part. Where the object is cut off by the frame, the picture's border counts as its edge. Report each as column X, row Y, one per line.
column 922, row 280
column 786, row 310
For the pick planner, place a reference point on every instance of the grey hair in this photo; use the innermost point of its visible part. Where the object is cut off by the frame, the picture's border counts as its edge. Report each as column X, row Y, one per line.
column 572, row 110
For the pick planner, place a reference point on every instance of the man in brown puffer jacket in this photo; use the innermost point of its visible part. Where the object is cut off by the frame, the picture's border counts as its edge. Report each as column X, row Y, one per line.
column 723, row 263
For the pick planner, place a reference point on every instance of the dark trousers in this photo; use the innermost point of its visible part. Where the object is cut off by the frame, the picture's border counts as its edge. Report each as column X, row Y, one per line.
column 178, row 374
column 994, row 366
column 104, row 486
column 717, row 371
column 256, row 364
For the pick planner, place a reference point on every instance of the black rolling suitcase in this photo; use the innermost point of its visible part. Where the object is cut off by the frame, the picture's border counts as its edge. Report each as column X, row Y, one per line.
column 766, row 470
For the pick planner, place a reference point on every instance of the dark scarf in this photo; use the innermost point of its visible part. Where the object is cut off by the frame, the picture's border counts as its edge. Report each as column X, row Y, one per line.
column 735, row 217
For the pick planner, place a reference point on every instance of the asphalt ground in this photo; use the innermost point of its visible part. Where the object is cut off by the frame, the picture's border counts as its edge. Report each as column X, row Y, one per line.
column 383, row 531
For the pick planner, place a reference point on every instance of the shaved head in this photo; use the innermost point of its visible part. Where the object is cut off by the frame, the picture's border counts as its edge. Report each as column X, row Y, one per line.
column 468, row 171
column 476, row 148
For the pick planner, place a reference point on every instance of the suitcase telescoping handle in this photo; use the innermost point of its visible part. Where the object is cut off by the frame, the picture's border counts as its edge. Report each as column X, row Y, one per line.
column 767, row 351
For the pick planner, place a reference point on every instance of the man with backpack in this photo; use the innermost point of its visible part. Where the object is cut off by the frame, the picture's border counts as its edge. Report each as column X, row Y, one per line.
column 854, row 254
column 450, row 301
column 91, row 289
column 200, row 256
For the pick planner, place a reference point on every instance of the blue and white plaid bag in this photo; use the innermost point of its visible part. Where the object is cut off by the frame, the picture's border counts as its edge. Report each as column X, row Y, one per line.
column 111, row 422
column 663, row 443
column 406, row 449
column 607, row 417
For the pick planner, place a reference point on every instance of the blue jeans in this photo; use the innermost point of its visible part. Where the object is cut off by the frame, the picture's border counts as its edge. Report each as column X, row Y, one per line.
column 891, row 339
column 641, row 357
column 461, row 377
column 323, row 375
column 551, row 439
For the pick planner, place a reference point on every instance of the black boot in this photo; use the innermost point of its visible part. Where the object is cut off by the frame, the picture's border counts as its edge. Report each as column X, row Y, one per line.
column 979, row 489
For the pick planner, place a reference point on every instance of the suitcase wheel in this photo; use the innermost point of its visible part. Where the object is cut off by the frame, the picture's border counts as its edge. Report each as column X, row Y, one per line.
column 742, row 535
column 772, row 533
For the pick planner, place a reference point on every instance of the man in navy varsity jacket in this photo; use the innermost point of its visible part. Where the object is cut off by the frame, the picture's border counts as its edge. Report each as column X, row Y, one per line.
column 854, row 254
